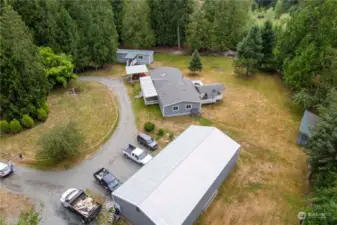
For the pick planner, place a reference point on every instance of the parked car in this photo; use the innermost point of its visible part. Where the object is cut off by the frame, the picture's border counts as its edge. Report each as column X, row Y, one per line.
column 147, row 141
column 5, row 169
column 77, row 201
column 136, row 154
column 105, row 179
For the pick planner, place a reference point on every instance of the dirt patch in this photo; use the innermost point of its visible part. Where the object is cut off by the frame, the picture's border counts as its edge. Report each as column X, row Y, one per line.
column 12, row 205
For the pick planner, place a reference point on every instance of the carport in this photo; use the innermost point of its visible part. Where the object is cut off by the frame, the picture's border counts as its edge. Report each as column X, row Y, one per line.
column 149, row 92
column 133, row 73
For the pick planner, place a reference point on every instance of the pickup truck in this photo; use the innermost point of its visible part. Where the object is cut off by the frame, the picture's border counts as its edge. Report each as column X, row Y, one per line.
column 77, row 201
column 105, row 179
column 136, row 154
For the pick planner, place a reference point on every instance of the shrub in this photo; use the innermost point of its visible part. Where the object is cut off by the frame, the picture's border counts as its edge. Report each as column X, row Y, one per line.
column 148, row 126
column 42, row 114
column 15, row 126
column 160, row 132
column 27, row 121
column 59, row 144
column 45, row 106
column 171, row 136
column 4, row 126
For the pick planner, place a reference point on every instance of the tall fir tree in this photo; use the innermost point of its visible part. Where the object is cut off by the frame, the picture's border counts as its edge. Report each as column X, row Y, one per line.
column 169, row 20
column 268, row 43
column 137, row 31
column 24, row 86
column 228, row 22
column 249, row 52
column 195, row 63
column 117, row 8
column 197, row 31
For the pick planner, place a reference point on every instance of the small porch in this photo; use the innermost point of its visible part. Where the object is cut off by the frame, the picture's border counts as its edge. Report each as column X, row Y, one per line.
column 211, row 100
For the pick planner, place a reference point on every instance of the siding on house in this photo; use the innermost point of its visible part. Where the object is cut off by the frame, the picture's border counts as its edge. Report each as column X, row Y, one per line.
column 168, row 110
column 142, row 56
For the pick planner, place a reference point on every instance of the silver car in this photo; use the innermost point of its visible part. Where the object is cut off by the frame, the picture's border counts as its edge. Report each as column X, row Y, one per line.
column 4, row 169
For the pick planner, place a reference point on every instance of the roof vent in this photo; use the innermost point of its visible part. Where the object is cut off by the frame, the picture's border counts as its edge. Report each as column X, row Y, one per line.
column 163, row 74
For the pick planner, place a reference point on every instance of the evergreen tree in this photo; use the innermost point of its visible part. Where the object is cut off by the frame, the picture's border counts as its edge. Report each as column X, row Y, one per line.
column 169, row 20
column 197, row 31
column 268, row 41
column 228, row 22
column 195, row 63
column 58, row 68
column 117, row 9
column 24, row 86
column 137, row 31
column 249, row 51
column 322, row 146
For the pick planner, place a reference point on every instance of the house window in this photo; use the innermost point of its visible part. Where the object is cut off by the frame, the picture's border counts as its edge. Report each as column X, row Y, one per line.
column 176, row 108
column 189, row 106
column 140, row 57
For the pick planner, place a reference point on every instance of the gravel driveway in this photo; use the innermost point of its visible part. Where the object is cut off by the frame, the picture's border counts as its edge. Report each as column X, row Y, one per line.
column 46, row 187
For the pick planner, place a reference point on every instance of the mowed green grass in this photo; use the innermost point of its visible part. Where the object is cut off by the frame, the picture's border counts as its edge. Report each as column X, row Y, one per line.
column 268, row 184
column 94, row 110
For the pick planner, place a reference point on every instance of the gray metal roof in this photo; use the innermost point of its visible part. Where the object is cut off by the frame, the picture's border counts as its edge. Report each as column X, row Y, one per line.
column 131, row 53
column 172, row 87
column 169, row 187
column 308, row 121
column 210, row 88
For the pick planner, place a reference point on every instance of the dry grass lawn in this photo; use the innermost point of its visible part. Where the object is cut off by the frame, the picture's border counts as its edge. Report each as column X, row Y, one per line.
column 12, row 205
column 94, row 110
column 268, row 185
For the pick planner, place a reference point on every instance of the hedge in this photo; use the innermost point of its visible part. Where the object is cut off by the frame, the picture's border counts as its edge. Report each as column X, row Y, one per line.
column 4, row 126
column 15, row 126
column 27, row 121
column 42, row 114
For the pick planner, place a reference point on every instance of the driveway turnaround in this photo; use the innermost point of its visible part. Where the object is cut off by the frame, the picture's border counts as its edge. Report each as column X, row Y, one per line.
column 47, row 187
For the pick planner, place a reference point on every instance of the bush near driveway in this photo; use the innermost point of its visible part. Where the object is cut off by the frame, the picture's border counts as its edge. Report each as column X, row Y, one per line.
column 4, row 126
column 160, row 132
column 59, row 144
column 27, row 121
column 42, row 114
column 148, row 126
column 15, row 126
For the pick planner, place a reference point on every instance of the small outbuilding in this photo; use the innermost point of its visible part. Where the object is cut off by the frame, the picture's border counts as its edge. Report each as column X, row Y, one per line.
column 134, row 57
column 309, row 120
column 133, row 73
column 181, row 181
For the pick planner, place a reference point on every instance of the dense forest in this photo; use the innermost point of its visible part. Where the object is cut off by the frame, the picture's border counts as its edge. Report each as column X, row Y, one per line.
column 43, row 43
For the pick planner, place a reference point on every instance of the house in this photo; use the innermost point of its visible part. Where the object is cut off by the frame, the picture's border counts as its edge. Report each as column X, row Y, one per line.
column 309, row 120
column 181, row 181
column 133, row 73
column 175, row 95
column 134, row 56
column 211, row 93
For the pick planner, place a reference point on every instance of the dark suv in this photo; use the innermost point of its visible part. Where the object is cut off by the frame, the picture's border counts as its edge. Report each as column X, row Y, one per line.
column 147, row 141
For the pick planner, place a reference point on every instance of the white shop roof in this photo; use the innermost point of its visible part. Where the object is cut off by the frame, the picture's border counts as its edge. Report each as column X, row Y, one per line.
column 136, row 69
column 168, row 188
column 147, row 86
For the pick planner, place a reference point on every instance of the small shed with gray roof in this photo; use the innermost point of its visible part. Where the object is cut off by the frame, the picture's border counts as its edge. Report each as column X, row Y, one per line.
column 176, row 95
column 134, row 56
column 181, row 181
column 309, row 120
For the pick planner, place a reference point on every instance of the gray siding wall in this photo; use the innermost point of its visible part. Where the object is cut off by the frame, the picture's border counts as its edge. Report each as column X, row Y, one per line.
column 129, row 211
column 215, row 186
column 147, row 59
column 168, row 110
